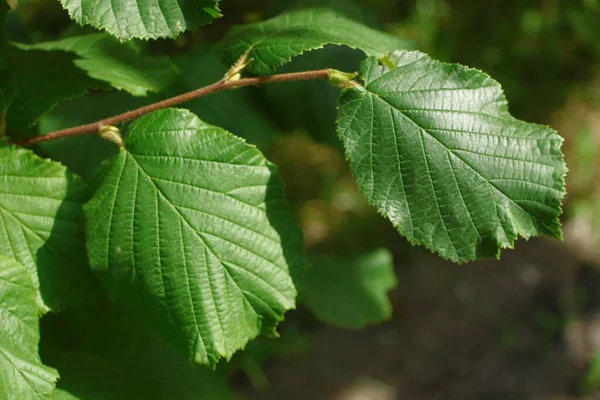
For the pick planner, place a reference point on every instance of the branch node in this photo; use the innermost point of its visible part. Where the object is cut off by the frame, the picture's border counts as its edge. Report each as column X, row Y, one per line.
column 342, row 80
column 112, row 134
column 235, row 72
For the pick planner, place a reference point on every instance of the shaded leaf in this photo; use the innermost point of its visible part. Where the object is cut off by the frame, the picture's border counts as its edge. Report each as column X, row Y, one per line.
column 144, row 19
column 122, row 65
column 22, row 375
column 435, row 149
column 189, row 225
column 35, row 82
column 110, row 354
column 41, row 225
column 274, row 42
column 350, row 293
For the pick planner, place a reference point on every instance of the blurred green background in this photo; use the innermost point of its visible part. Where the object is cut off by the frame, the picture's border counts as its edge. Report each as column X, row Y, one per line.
column 525, row 327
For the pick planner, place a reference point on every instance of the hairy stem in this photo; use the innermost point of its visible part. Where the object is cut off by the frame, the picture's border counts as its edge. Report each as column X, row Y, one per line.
column 218, row 86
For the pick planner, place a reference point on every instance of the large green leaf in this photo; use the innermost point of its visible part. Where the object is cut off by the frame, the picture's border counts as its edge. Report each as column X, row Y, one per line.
column 189, row 225
column 435, row 149
column 350, row 293
column 42, row 227
column 34, row 83
column 22, row 375
column 144, row 19
column 122, row 65
column 274, row 42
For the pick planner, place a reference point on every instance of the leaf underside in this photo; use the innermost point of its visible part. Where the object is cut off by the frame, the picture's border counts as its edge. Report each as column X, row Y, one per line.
column 350, row 293
column 274, row 42
column 22, row 375
column 143, row 19
column 122, row 65
column 189, row 225
column 41, row 225
column 434, row 148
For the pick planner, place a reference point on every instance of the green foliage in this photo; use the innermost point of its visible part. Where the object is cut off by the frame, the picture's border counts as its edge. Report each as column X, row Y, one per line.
column 118, row 356
column 35, row 82
column 275, row 42
column 23, row 374
column 350, row 293
column 122, row 65
column 434, row 148
column 207, row 256
column 188, row 227
column 42, row 226
column 144, row 19
column 591, row 379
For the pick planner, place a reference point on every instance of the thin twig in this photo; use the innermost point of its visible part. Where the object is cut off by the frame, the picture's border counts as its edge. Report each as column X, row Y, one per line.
column 173, row 101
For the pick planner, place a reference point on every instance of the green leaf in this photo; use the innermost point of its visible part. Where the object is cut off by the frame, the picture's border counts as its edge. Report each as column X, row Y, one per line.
column 42, row 227
column 435, row 149
column 22, row 375
column 144, row 19
column 350, row 293
column 274, row 42
column 35, row 82
column 189, row 225
column 122, row 65
column 113, row 355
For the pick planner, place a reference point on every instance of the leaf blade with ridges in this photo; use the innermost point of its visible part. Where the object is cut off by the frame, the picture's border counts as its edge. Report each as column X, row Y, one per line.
column 22, row 374
column 435, row 149
column 143, row 19
column 41, row 226
column 189, row 226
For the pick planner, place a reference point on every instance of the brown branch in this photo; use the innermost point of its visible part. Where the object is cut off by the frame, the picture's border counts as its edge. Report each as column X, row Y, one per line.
column 173, row 101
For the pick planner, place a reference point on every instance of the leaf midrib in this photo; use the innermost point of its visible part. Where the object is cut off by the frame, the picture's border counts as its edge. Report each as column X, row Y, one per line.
column 206, row 246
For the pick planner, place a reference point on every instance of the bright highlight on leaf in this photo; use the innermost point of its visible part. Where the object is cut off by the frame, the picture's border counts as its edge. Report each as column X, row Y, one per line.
column 22, row 374
column 350, row 293
column 41, row 226
column 275, row 42
column 435, row 149
column 189, row 226
column 144, row 19
column 122, row 65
